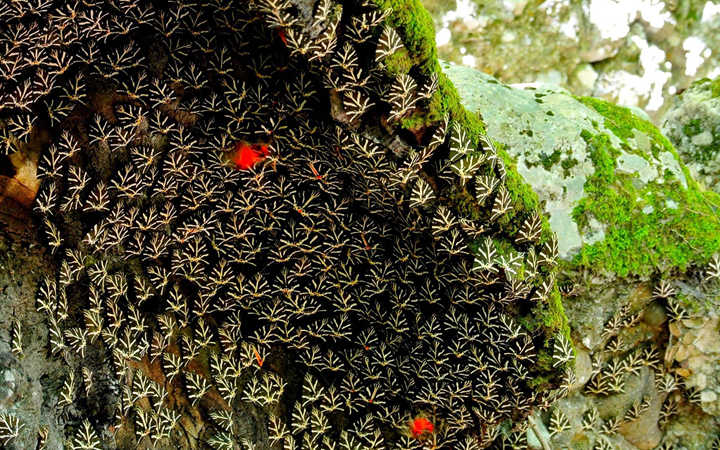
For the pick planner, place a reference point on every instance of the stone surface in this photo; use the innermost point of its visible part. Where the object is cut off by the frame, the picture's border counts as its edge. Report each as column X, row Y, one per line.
column 693, row 125
column 698, row 350
column 30, row 382
column 542, row 128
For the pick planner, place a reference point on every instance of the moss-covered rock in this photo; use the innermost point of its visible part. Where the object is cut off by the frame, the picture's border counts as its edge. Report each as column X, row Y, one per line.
column 609, row 180
column 693, row 126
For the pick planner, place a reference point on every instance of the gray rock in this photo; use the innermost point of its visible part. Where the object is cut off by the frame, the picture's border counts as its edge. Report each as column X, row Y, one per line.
column 542, row 128
column 30, row 381
column 693, row 126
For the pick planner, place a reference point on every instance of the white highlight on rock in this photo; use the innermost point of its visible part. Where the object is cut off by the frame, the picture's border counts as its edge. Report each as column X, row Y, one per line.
column 694, row 49
column 570, row 28
column 609, row 17
column 468, row 60
column 651, row 59
column 587, row 77
column 464, row 10
column 442, row 37
column 629, row 88
column 654, row 13
column 613, row 17
column 710, row 11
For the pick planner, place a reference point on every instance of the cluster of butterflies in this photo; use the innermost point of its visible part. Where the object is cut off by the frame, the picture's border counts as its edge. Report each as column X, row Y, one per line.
column 241, row 237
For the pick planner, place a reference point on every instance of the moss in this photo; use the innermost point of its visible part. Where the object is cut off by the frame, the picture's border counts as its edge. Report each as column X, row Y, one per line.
column 415, row 24
column 622, row 122
column 567, row 164
column 692, row 128
column 464, row 202
column 399, row 62
column 669, row 238
column 523, row 197
column 548, row 161
column 715, row 88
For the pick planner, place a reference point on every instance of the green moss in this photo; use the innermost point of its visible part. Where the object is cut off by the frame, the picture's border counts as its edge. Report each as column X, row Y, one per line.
column 525, row 200
column 622, row 122
column 550, row 315
column 414, row 23
column 399, row 62
column 464, row 203
column 715, row 87
column 548, row 161
column 692, row 128
column 669, row 238
column 567, row 164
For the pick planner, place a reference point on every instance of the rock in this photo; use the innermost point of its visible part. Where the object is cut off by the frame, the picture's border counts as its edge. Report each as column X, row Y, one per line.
column 697, row 351
column 707, row 396
column 557, row 142
column 693, row 126
column 583, row 369
column 644, row 432
column 30, row 382
column 538, row 436
column 585, row 77
column 628, row 52
column 584, row 158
